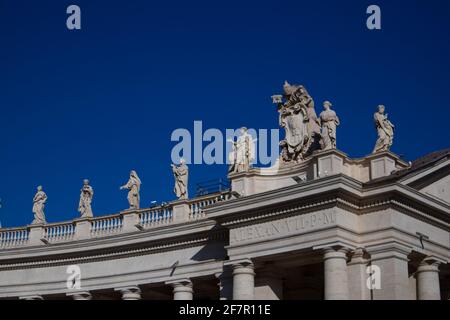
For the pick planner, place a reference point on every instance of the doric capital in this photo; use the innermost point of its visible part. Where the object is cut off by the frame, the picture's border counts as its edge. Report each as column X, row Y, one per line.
column 241, row 266
column 130, row 293
column 429, row 264
column 335, row 252
column 388, row 251
column 181, row 285
column 81, row 295
column 357, row 257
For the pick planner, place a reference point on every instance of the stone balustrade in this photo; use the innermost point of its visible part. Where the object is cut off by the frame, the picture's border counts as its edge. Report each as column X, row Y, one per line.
column 155, row 217
column 126, row 221
column 12, row 237
column 106, row 225
column 62, row 231
column 196, row 205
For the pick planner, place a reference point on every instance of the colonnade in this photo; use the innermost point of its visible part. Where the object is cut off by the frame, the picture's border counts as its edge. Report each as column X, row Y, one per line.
column 344, row 279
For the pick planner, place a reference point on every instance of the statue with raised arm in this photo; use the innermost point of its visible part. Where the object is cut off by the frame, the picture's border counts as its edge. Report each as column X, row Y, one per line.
column 329, row 122
column 243, row 153
column 39, row 200
column 133, row 186
column 298, row 118
column 181, row 175
column 385, row 130
column 84, row 206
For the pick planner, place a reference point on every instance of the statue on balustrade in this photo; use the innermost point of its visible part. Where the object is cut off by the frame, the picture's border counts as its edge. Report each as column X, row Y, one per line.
column 134, row 187
column 242, row 154
column 181, row 175
column 84, row 206
column 385, row 130
column 329, row 122
column 299, row 119
column 39, row 200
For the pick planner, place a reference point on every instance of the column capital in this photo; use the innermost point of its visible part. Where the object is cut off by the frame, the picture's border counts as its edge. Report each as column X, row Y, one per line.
column 240, row 263
column 357, row 257
column 81, row 295
column 182, row 289
column 182, row 282
column 130, row 293
column 429, row 264
column 335, row 252
column 389, row 250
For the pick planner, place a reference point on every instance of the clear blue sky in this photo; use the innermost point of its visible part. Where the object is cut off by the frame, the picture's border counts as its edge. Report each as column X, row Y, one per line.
column 98, row 102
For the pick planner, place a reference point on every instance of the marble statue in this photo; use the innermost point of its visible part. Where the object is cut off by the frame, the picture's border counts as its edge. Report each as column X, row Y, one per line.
column 84, row 206
column 181, row 175
column 329, row 122
column 134, row 187
column 385, row 130
column 39, row 201
column 243, row 153
column 298, row 118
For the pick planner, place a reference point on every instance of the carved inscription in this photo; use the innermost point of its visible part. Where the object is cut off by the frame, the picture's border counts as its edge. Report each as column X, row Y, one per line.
column 287, row 226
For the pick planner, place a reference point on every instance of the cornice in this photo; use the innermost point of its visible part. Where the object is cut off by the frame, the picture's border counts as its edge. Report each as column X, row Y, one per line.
column 340, row 191
column 84, row 254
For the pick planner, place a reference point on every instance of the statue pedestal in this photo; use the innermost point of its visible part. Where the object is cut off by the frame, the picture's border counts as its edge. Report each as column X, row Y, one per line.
column 329, row 162
column 36, row 234
column 382, row 164
column 180, row 211
column 130, row 220
column 82, row 228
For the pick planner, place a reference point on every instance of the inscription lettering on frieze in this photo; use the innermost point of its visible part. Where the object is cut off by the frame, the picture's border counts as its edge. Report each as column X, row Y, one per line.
column 287, row 226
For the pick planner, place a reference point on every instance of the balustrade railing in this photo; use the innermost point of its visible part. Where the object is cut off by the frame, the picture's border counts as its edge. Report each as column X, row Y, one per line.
column 154, row 217
column 190, row 210
column 13, row 237
column 57, row 232
column 106, row 225
column 196, row 205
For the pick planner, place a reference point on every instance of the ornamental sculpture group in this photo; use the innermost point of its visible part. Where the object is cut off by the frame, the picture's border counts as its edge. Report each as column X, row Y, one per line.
column 305, row 132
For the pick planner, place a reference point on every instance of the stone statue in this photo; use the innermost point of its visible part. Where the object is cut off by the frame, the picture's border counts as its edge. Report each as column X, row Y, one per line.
column 385, row 130
column 329, row 121
column 134, row 187
column 243, row 153
column 299, row 120
column 181, row 175
column 39, row 201
column 84, row 206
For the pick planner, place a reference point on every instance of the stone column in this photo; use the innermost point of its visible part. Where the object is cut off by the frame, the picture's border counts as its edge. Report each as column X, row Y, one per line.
column 357, row 276
column 428, row 280
column 335, row 267
column 130, row 293
column 392, row 262
column 85, row 295
column 182, row 289
column 243, row 280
